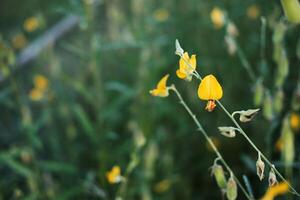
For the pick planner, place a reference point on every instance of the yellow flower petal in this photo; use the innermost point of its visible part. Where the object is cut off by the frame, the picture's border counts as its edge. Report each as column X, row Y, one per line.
column 36, row 95
column 114, row 176
column 210, row 89
column 279, row 189
column 187, row 66
column 295, row 121
column 161, row 89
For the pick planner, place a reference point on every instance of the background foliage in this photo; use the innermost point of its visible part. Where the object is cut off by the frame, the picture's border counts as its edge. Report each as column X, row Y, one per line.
column 96, row 111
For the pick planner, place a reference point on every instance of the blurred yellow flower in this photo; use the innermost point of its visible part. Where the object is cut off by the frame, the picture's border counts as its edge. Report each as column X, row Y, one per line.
column 210, row 90
column 36, row 94
column 161, row 15
column 31, row 24
column 253, row 11
column 162, row 186
column 217, row 17
column 295, row 121
column 161, row 89
column 41, row 84
column 187, row 66
column 278, row 145
column 19, row 41
column 272, row 192
column 114, row 175
column 216, row 142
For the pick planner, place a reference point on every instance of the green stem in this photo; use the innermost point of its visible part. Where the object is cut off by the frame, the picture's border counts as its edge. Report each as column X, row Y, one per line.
column 201, row 129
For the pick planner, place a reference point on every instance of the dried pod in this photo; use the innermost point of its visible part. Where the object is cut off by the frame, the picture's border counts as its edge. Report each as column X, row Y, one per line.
column 247, row 115
column 227, row 131
column 272, row 178
column 231, row 190
column 260, row 167
column 179, row 51
column 218, row 172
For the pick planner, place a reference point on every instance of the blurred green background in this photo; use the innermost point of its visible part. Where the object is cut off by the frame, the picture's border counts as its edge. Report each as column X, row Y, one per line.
column 74, row 97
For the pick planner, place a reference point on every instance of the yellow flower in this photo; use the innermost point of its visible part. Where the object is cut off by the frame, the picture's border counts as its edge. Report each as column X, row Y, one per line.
column 217, row 17
column 279, row 189
column 40, row 86
column 210, row 90
column 19, row 41
column 161, row 15
column 161, row 89
column 278, row 145
column 31, row 24
column 253, row 11
column 295, row 121
column 36, row 94
column 114, row 175
column 41, row 82
column 187, row 66
column 162, row 186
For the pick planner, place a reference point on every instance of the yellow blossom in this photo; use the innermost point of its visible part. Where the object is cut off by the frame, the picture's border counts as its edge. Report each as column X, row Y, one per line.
column 41, row 82
column 210, row 90
column 31, row 24
column 19, row 41
column 114, row 175
column 295, row 121
column 187, row 66
column 217, row 17
column 36, row 94
column 162, row 186
column 161, row 15
column 161, row 89
column 278, row 145
column 272, row 192
column 253, row 11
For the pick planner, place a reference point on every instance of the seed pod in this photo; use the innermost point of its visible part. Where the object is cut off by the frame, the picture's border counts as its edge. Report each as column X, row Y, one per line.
column 247, row 115
column 291, row 10
column 278, row 101
column 218, row 172
column 288, row 138
column 267, row 107
column 227, row 131
column 231, row 190
column 272, row 178
column 260, row 167
column 258, row 93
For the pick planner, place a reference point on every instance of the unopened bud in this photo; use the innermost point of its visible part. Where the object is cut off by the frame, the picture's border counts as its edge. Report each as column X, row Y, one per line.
column 227, row 131
column 260, row 167
column 179, row 51
column 218, row 172
column 231, row 191
column 272, row 177
column 247, row 115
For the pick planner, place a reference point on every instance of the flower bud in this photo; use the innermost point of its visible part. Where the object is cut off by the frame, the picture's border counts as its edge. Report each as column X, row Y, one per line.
column 272, row 178
column 260, row 167
column 179, row 51
column 247, row 115
column 218, row 172
column 231, row 190
column 227, row 131
column 291, row 10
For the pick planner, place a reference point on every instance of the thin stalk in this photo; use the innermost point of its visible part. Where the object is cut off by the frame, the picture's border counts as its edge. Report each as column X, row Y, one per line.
column 293, row 191
column 201, row 129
